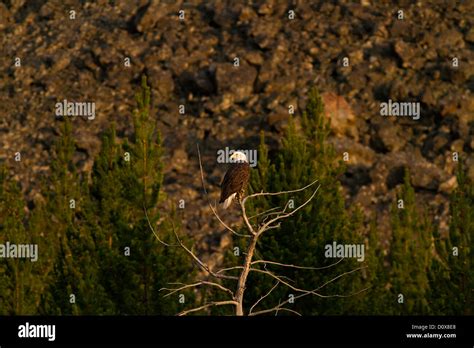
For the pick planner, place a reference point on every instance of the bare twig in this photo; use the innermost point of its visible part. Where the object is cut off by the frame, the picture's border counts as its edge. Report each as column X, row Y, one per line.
column 153, row 230
column 339, row 276
column 302, row 295
column 288, row 310
column 261, row 298
column 229, row 269
column 281, row 192
column 202, row 282
column 220, row 303
column 272, row 227
column 284, row 216
column 280, row 279
column 313, row 292
column 203, row 265
column 244, row 216
column 294, row 266
column 263, row 213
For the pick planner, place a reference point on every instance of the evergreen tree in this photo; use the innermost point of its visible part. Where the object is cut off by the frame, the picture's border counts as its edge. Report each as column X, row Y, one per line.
column 377, row 299
column 19, row 279
column 126, row 184
column 410, row 254
column 451, row 273
column 397, row 277
column 75, row 286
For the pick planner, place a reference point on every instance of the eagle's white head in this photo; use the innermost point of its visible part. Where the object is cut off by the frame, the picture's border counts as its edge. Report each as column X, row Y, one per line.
column 238, row 156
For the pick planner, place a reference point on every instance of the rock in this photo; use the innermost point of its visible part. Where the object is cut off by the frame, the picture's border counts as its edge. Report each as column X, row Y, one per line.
column 388, row 135
column 435, row 144
column 399, row 28
column 283, row 85
column 358, row 77
column 164, row 53
column 87, row 142
column 198, row 83
column 169, row 118
column 226, row 241
column 409, row 54
column 147, row 16
column 224, row 16
column 265, row 74
column 264, row 31
column 457, row 145
column 359, row 155
column 449, row 38
column 266, row 7
column 470, row 167
column 449, row 105
column 449, row 185
column 356, row 57
column 246, row 15
column 5, row 17
column 467, row 107
column 423, row 174
column 204, row 82
column 367, row 197
column 278, row 118
column 338, row 111
column 162, row 83
column 180, row 159
column 470, row 35
column 254, row 57
column 61, row 63
column 235, row 82
column 428, row 97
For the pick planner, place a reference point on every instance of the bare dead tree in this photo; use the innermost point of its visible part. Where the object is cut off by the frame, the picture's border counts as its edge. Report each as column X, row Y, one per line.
column 270, row 220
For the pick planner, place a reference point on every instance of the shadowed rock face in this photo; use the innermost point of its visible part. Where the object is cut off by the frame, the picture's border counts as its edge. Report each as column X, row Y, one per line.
column 191, row 62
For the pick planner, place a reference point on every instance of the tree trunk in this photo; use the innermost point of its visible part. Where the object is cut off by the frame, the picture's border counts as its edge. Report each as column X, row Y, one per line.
column 243, row 276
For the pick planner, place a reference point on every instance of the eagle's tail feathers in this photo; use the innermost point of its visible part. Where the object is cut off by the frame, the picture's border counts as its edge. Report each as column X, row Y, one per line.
column 228, row 201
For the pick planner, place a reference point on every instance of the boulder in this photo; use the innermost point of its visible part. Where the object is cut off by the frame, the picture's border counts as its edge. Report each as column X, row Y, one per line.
column 339, row 112
column 235, row 82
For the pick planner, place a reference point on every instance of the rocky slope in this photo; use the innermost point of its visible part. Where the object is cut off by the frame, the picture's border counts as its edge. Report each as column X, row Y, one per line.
column 190, row 62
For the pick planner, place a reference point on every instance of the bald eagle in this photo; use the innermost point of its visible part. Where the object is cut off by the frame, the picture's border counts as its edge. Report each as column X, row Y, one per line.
column 235, row 180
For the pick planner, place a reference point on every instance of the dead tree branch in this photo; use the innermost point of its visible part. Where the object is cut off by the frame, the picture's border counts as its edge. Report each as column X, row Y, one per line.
column 272, row 219
column 261, row 298
column 202, row 282
column 220, row 303
column 202, row 264
column 294, row 266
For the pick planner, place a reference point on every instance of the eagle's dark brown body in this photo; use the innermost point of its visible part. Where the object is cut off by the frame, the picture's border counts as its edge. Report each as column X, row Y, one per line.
column 235, row 181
